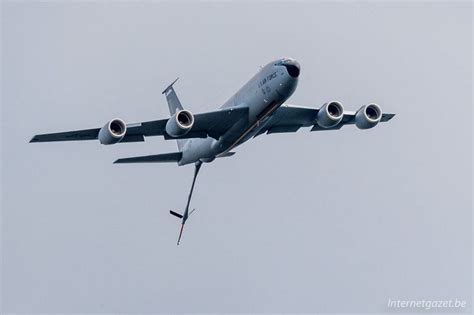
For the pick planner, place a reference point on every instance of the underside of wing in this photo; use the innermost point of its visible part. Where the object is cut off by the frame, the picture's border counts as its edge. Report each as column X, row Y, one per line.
column 212, row 124
column 87, row 134
column 216, row 123
column 290, row 118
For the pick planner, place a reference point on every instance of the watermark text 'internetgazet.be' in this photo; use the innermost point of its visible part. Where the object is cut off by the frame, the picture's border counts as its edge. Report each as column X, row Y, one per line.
column 427, row 304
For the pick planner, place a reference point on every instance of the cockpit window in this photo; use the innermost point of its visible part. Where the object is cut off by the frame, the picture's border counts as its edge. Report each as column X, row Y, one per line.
column 291, row 66
column 282, row 61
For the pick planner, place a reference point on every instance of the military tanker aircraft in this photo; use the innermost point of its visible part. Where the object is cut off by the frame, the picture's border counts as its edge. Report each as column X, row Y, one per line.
column 258, row 107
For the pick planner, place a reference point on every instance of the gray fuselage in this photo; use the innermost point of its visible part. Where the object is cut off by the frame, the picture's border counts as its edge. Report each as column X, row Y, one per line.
column 262, row 94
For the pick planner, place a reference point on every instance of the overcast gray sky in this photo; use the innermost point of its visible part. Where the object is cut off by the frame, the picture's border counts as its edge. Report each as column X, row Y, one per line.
column 307, row 222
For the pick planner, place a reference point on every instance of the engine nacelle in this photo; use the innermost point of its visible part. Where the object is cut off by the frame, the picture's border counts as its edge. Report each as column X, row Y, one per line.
column 113, row 131
column 180, row 123
column 330, row 114
column 368, row 116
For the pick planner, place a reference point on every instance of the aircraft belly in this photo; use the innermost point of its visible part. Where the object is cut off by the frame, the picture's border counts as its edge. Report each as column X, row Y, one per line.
column 197, row 149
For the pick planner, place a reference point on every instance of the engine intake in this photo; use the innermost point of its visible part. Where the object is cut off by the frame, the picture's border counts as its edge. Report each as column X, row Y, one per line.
column 180, row 123
column 113, row 131
column 368, row 116
column 330, row 114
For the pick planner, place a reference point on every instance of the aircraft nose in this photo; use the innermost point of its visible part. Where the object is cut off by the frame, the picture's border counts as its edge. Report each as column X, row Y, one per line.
column 292, row 67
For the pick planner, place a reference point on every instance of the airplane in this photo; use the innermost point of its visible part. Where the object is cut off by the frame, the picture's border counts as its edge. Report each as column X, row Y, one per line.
column 258, row 107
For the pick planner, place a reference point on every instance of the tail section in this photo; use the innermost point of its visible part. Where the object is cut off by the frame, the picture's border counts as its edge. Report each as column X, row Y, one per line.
column 174, row 106
column 173, row 102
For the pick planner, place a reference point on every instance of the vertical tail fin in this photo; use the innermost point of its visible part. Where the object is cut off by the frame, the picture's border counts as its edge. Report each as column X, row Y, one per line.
column 174, row 106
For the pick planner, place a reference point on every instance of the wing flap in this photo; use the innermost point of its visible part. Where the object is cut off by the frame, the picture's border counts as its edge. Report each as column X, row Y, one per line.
column 316, row 127
column 283, row 129
column 132, row 138
column 147, row 128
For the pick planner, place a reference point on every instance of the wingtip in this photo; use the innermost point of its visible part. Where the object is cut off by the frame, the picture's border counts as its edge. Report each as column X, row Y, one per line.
column 33, row 140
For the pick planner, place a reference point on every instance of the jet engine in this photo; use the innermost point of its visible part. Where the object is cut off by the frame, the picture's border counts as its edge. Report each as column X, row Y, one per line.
column 368, row 116
column 180, row 123
column 330, row 114
column 113, row 131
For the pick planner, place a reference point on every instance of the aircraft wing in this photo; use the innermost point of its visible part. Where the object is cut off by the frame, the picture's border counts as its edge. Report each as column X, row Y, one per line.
column 213, row 124
column 290, row 118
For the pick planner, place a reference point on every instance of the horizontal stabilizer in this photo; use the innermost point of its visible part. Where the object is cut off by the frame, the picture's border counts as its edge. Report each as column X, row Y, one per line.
column 156, row 158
